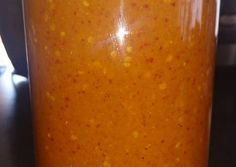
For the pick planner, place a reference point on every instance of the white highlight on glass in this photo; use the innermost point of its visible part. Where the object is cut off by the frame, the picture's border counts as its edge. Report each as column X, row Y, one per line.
column 122, row 32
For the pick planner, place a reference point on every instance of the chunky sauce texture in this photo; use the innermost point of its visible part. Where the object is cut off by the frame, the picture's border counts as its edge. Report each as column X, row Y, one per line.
column 121, row 83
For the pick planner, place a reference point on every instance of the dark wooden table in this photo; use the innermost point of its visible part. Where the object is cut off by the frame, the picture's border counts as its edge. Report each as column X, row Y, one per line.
column 16, row 139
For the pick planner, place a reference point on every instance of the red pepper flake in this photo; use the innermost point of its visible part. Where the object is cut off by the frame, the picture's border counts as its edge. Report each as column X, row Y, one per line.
column 75, row 13
column 139, row 76
column 67, row 99
column 87, row 125
column 144, row 45
column 144, row 120
column 157, row 75
column 133, row 4
column 146, row 6
column 133, row 96
column 162, row 141
column 98, row 126
column 166, row 20
column 194, row 81
column 150, row 60
column 57, row 61
column 107, row 96
column 74, row 80
column 157, row 38
column 164, row 98
column 170, row 68
column 78, row 148
column 63, row 43
column 173, row 4
column 82, row 40
column 110, row 81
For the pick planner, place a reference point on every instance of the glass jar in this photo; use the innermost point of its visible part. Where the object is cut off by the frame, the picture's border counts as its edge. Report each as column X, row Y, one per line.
column 121, row 82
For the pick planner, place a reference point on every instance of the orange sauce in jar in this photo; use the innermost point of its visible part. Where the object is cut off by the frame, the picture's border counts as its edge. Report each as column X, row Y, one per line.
column 121, row 83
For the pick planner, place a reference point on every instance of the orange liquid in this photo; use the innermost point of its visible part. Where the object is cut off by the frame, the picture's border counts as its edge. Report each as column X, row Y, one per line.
column 121, row 83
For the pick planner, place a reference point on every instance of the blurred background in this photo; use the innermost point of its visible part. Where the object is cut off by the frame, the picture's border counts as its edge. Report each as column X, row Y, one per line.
column 16, row 147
